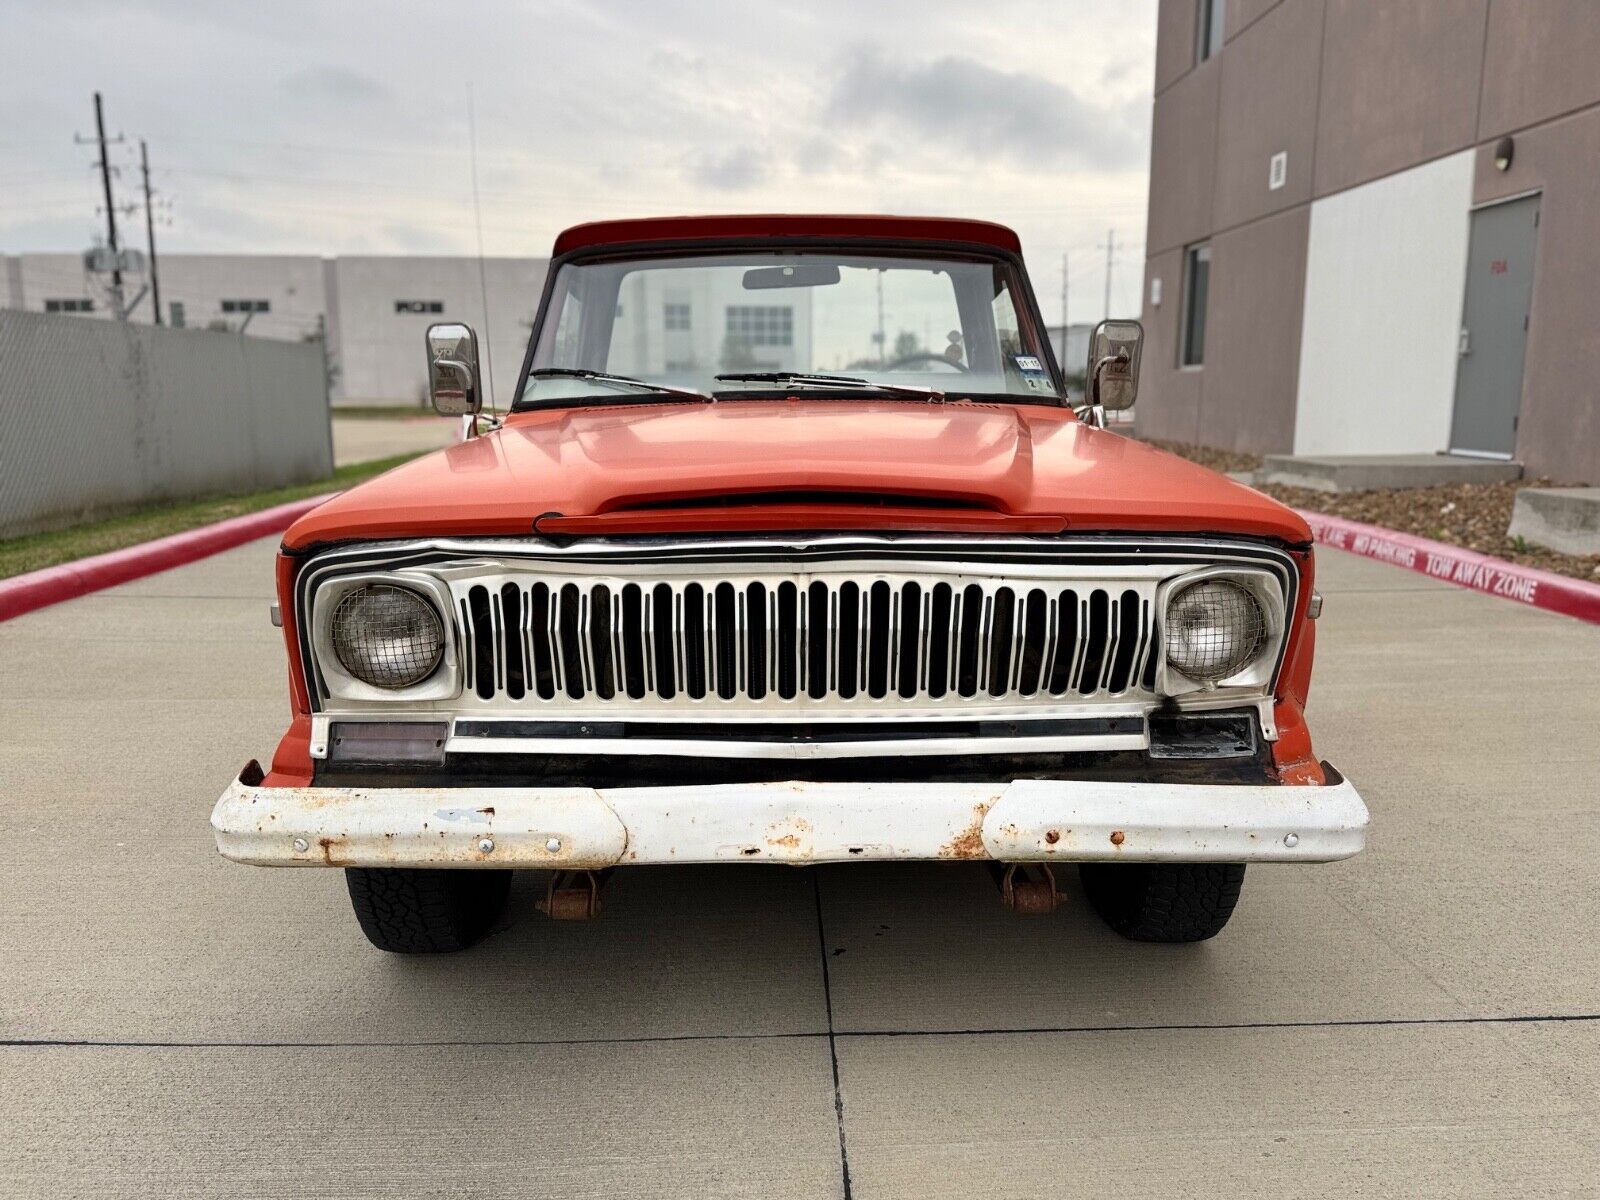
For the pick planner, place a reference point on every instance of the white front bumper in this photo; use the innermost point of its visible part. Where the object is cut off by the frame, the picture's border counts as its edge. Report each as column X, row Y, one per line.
column 1020, row 821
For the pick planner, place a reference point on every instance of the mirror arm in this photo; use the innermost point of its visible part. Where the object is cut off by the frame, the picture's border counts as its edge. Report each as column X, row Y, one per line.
column 470, row 424
column 460, row 369
column 1095, row 410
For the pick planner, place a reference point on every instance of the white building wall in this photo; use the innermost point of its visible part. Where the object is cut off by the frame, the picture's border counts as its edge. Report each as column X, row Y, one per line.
column 199, row 283
column 1071, row 346
column 642, row 345
column 376, row 352
column 290, row 284
column 379, row 353
column 1386, row 271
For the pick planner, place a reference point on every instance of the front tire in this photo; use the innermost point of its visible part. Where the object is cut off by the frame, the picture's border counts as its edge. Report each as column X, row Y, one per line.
column 1163, row 902
column 411, row 911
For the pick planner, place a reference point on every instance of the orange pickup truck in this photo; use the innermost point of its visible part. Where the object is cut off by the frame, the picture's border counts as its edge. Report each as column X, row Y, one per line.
column 792, row 547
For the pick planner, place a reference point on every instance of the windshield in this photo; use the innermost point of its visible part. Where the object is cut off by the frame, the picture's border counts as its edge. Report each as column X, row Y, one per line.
column 910, row 323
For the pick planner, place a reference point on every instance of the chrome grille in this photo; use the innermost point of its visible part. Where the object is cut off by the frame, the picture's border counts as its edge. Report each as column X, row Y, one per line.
column 847, row 641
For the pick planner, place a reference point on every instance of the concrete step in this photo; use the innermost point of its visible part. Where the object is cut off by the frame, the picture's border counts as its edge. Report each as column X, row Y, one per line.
column 1564, row 519
column 1364, row 472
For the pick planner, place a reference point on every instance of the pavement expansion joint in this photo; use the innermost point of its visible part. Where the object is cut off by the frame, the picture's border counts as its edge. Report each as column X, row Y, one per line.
column 833, row 1042
column 834, row 1036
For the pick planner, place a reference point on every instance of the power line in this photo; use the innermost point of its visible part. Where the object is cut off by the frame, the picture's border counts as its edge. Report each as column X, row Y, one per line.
column 1111, row 249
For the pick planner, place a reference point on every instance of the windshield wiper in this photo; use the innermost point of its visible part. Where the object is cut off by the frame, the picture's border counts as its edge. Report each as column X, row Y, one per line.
column 852, row 382
column 625, row 380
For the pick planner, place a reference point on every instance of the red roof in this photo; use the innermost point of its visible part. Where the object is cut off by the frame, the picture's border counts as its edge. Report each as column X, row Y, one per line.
column 745, row 228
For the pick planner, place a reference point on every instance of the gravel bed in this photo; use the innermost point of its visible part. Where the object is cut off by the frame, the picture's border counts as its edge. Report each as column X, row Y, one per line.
column 1475, row 516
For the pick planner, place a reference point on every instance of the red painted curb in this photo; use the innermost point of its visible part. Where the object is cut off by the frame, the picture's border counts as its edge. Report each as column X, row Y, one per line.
column 1464, row 568
column 52, row 585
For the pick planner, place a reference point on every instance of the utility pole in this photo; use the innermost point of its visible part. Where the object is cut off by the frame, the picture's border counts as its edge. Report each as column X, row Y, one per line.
column 111, row 211
column 150, row 231
column 1111, row 245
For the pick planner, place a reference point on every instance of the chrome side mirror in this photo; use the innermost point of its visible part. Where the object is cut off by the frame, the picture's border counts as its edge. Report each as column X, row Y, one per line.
column 1114, row 350
column 453, row 370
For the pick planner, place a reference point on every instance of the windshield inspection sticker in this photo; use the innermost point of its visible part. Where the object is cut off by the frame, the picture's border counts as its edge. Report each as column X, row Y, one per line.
column 1033, row 372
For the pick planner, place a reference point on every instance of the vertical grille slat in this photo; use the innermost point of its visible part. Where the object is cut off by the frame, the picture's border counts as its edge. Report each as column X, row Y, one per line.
column 560, row 658
column 924, row 640
column 909, row 627
column 1097, row 628
column 511, row 625
column 632, row 640
column 483, row 638
column 1129, row 643
column 867, row 640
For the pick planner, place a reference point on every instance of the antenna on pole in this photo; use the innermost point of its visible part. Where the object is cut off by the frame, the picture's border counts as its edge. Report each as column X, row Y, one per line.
column 477, row 215
column 111, row 210
column 1064, row 321
column 1111, row 245
column 883, row 349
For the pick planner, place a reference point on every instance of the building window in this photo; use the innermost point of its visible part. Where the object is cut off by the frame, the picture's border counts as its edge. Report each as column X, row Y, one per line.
column 176, row 312
column 675, row 318
column 761, row 324
column 69, row 306
column 1196, row 285
column 246, row 306
column 1209, row 39
column 419, row 306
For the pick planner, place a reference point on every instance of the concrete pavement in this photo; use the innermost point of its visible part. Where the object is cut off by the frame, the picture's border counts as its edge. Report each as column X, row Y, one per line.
column 174, row 1025
column 362, row 439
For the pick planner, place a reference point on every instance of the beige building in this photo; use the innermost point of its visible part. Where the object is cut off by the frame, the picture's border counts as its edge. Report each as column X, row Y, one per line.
column 374, row 309
column 1374, row 228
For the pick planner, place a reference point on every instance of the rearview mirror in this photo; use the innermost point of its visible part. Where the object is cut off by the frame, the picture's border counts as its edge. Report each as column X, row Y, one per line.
column 797, row 276
column 453, row 370
column 1114, row 351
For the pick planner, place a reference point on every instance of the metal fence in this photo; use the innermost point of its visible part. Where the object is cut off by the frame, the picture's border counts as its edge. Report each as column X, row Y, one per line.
column 98, row 415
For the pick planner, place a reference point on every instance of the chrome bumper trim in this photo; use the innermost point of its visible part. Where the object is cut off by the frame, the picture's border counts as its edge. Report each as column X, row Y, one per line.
column 1036, row 820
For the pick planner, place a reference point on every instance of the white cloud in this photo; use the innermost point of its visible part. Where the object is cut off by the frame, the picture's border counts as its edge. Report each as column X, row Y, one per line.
column 338, row 85
column 958, row 106
column 302, row 126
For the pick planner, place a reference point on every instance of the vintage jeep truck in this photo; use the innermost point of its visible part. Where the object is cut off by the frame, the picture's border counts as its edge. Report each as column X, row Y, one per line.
column 791, row 548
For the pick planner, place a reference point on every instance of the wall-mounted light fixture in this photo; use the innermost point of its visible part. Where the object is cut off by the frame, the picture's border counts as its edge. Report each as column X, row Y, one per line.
column 1504, row 150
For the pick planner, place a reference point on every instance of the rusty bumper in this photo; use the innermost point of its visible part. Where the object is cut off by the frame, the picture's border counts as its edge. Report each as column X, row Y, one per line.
column 1026, row 820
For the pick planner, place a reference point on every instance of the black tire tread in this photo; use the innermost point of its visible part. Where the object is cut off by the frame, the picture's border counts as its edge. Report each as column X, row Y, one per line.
column 1163, row 902
column 410, row 911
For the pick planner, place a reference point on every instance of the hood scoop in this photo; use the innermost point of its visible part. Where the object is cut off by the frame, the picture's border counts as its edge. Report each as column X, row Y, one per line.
column 781, row 498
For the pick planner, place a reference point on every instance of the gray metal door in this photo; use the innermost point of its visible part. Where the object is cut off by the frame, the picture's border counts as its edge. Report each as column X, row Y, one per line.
column 1494, row 327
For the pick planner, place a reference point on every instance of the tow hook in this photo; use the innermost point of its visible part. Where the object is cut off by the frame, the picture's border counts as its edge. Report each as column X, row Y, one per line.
column 573, row 895
column 1028, row 888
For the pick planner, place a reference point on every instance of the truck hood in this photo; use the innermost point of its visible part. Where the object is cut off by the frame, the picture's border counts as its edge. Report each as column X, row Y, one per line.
column 796, row 464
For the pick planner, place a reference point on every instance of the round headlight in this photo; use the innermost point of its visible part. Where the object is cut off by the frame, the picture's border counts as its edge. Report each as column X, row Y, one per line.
column 387, row 636
column 1213, row 628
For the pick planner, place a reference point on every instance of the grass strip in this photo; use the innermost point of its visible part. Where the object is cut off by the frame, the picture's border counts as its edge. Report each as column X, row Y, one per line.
column 37, row 550
column 380, row 412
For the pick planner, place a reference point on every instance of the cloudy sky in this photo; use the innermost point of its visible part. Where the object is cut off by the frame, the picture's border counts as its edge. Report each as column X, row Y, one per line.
column 327, row 128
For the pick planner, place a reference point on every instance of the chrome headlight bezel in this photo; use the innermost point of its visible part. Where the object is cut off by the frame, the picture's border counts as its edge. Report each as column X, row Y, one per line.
column 1257, row 675
column 443, row 683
